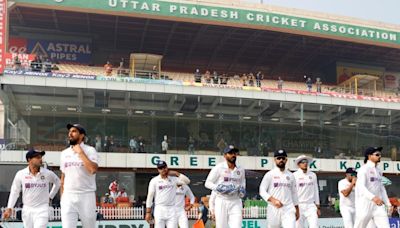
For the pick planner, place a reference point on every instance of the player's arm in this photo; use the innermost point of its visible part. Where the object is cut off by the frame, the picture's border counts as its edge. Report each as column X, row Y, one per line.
column 295, row 198
column 212, row 179
column 14, row 194
column 385, row 197
column 62, row 184
column 316, row 195
column 89, row 164
column 149, row 201
column 56, row 184
column 264, row 186
column 346, row 191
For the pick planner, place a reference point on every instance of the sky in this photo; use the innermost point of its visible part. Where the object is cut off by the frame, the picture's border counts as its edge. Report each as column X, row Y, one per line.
column 387, row 11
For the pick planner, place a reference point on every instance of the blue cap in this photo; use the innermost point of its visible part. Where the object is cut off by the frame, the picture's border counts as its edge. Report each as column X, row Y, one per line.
column 351, row 170
column 280, row 153
column 80, row 128
column 230, row 149
column 161, row 164
column 33, row 153
column 371, row 150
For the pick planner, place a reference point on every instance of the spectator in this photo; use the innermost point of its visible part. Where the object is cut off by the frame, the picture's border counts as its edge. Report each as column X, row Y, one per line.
column 203, row 212
column 207, row 76
column 280, row 83
column 17, row 63
column 191, row 145
column 319, row 85
column 108, row 68
column 106, row 144
column 244, row 79
column 224, row 79
column 108, row 199
column 111, row 146
column 154, row 72
column 133, row 144
column 164, row 145
column 36, row 64
column 120, row 70
column 97, row 143
column 197, row 76
column 47, row 65
column 251, row 79
column 221, row 145
column 55, row 67
column 259, row 77
column 309, row 84
column 122, row 193
column 344, row 76
column 113, row 188
column 215, row 77
column 141, row 144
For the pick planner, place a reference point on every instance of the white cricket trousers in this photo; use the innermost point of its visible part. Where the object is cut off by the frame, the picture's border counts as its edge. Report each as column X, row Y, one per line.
column 366, row 211
column 228, row 212
column 35, row 217
column 78, row 205
column 308, row 212
column 182, row 218
column 281, row 217
column 164, row 216
column 348, row 215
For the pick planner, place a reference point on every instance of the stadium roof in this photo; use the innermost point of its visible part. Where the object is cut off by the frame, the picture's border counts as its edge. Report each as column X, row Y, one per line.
column 186, row 46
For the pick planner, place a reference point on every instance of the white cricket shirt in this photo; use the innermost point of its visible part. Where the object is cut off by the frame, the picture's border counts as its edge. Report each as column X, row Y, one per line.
column 307, row 187
column 221, row 174
column 163, row 191
column 181, row 192
column 35, row 188
column 280, row 185
column 348, row 201
column 76, row 178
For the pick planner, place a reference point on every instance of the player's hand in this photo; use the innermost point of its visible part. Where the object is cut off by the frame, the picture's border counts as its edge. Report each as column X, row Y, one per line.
column 297, row 213
column 242, row 192
column 173, row 173
column 319, row 212
column 225, row 189
column 148, row 218
column 213, row 216
column 353, row 181
column 7, row 213
column 390, row 210
column 78, row 149
column 187, row 208
column 377, row 201
column 276, row 202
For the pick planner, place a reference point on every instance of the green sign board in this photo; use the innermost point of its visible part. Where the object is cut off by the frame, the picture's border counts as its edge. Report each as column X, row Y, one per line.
column 230, row 16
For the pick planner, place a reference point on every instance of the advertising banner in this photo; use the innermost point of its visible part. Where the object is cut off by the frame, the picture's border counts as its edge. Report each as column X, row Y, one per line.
column 391, row 80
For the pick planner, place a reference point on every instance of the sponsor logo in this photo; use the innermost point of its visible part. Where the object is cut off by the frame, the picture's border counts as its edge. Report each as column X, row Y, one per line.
column 278, row 184
column 35, row 185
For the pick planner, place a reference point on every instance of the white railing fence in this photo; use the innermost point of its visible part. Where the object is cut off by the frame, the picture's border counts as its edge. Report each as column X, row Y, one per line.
column 128, row 213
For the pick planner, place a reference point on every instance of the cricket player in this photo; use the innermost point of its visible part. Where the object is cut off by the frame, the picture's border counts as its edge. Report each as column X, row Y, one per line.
column 308, row 193
column 78, row 180
column 278, row 188
column 228, row 181
column 162, row 189
column 370, row 194
column 181, row 192
column 34, row 182
column 346, row 188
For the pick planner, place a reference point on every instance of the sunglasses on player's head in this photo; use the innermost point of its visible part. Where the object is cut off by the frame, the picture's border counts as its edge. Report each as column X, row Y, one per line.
column 280, row 158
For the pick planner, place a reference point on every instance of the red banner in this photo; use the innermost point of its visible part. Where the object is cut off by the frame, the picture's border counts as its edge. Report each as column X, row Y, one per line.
column 3, row 17
column 24, row 60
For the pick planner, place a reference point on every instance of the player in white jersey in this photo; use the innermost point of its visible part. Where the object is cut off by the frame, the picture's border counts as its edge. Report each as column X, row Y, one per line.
column 278, row 188
column 162, row 189
column 308, row 193
column 371, row 196
column 346, row 188
column 181, row 192
column 228, row 182
column 34, row 182
column 78, row 180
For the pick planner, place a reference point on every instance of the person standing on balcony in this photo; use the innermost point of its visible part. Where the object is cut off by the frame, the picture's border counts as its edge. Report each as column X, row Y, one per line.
column 34, row 182
column 108, row 68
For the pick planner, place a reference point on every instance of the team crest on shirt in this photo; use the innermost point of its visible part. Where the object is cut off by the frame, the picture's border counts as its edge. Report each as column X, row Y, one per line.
column 287, row 178
column 310, row 177
column 238, row 172
column 42, row 177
